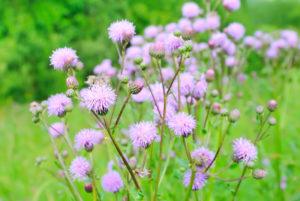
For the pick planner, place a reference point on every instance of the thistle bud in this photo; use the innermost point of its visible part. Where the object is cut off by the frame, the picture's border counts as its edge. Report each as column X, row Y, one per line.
column 214, row 93
column 272, row 105
column 136, row 86
column 138, row 61
column 70, row 92
column 157, row 50
column 35, row 108
column 72, row 82
column 224, row 112
column 210, row 75
column 259, row 109
column 259, row 174
column 272, row 121
column 234, row 115
column 216, row 108
column 88, row 188
column 88, row 146
column 124, row 79
column 177, row 33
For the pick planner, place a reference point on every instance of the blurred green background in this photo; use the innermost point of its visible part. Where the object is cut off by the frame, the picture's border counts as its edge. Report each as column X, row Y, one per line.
column 31, row 29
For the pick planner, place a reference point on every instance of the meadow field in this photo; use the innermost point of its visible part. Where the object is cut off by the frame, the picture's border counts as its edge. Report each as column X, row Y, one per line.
column 30, row 169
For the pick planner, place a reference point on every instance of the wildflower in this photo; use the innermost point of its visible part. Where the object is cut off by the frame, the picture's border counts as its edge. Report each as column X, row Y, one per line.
column 57, row 129
column 235, row 30
column 212, row 21
column 244, row 150
column 199, row 25
column 187, row 83
column 72, row 82
column 98, row 98
column 234, row 115
column 106, row 68
column 137, row 40
column 173, row 43
column 142, row 134
column 200, row 88
column 58, row 104
column 136, row 86
column 231, row 5
column 199, row 181
column 202, row 156
column 121, row 31
column 259, row 174
column 272, row 105
column 64, row 58
column 167, row 73
column 112, row 181
column 80, row 168
column 170, row 111
column 191, row 10
column 142, row 96
column 182, row 124
column 152, row 31
column 87, row 139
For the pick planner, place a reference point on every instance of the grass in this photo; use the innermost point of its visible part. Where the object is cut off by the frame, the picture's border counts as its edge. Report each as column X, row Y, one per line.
column 21, row 142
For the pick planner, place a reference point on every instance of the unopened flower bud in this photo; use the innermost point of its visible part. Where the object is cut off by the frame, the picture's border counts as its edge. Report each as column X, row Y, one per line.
column 182, row 49
column 214, row 93
column 72, row 82
column 124, row 79
column 143, row 66
column 79, row 65
column 138, row 60
column 224, row 112
column 234, row 115
column 210, row 75
column 272, row 121
column 259, row 173
column 136, row 86
column 35, row 107
column 177, row 33
column 88, row 146
column 216, row 108
column 88, row 188
column 259, row 109
column 272, row 105
column 70, row 92
column 157, row 50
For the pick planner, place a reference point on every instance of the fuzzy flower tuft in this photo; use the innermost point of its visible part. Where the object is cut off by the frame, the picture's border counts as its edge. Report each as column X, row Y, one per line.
column 173, row 43
column 58, row 104
column 191, row 10
column 232, row 5
column 142, row 134
column 121, row 31
column 80, row 168
column 202, row 157
column 235, row 30
column 88, row 138
column 112, row 182
column 244, row 151
column 57, row 129
column 98, row 98
column 63, row 58
column 199, row 181
column 182, row 124
column 200, row 88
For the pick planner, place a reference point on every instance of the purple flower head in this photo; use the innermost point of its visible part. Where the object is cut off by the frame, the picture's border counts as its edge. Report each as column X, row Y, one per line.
column 231, row 61
column 157, row 49
column 191, row 10
column 187, row 83
column 244, row 150
column 63, row 58
column 171, row 28
column 200, row 88
column 291, row 37
column 199, row 25
column 98, row 98
column 199, row 181
column 121, row 31
column 105, row 68
column 272, row 53
column 57, row 129
column 252, row 42
column 58, row 104
column 88, row 137
column 217, row 40
column 202, row 157
column 172, row 43
column 142, row 134
column 80, row 168
column 212, row 21
column 231, row 5
column 112, row 181
column 157, row 90
column 182, row 124
column 143, row 96
column 235, row 31
column 170, row 111
column 134, row 52
column 137, row 40
column 167, row 73
column 152, row 31
column 185, row 26
column 229, row 47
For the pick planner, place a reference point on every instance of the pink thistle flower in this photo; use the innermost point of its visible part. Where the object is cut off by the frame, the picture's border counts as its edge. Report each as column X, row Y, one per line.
column 217, row 40
column 167, row 73
column 57, row 129
column 191, row 10
column 200, row 25
column 98, row 98
column 235, row 30
column 182, row 124
column 142, row 134
column 199, row 181
column 170, row 111
column 187, row 83
column 143, row 96
column 157, row 90
column 88, row 138
column 137, row 40
column 58, row 104
column 244, row 150
column 134, row 52
column 231, row 5
column 171, row 28
column 186, row 27
column 105, row 68
column 172, row 43
column 152, row 31
column 112, row 182
column 212, row 21
column 200, row 88
column 231, row 61
column 63, row 58
column 291, row 37
column 202, row 157
column 80, row 168
column 121, row 31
